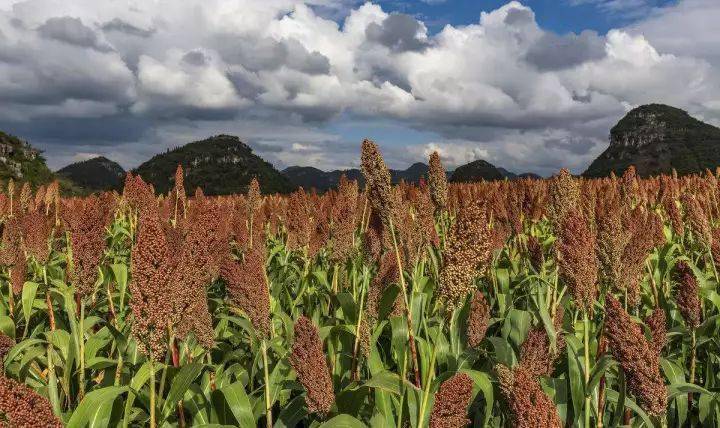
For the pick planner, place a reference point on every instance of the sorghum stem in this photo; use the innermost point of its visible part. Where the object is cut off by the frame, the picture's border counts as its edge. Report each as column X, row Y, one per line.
column 408, row 309
column 152, row 394
column 81, row 338
column 588, row 395
column 268, row 407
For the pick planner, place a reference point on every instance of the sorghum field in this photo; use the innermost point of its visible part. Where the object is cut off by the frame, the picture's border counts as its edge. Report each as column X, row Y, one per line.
column 528, row 303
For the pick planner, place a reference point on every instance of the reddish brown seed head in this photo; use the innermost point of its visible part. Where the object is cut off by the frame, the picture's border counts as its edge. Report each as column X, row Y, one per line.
column 308, row 360
column 6, row 344
column 537, row 354
column 377, row 181
column 451, row 403
column 36, row 233
column 247, row 288
column 22, row 407
column 343, row 214
column 576, row 259
column 687, row 295
column 468, row 253
column 478, row 319
column 637, row 357
column 563, row 196
column 658, row 329
column 529, row 406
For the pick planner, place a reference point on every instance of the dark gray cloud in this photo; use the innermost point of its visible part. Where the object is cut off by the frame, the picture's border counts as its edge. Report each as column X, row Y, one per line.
column 575, row 145
column 73, row 31
column 555, row 52
column 196, row 57
column 110, row 130
column 268, row 54
column 121, row 26
column 519, row 17
column 398, row 32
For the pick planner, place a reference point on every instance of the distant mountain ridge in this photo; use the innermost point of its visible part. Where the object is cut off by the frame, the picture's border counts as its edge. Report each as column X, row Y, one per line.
column 476, row 171
column 309, row 177
column 657, row 138
column 96, row 174
column 219, row 165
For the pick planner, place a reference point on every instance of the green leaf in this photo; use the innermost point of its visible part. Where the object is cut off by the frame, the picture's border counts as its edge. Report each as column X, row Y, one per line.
column 120, row 272
column 291, row 414
column 575, row 375
column 343, row 421
column 239, row 403
column 386, row 381
column 483, row 383
column 180, row 383
column 91, row 405
column 29, row 292
column 7, row 326
column 613, row 396
column 504, row 352
column 676, row 376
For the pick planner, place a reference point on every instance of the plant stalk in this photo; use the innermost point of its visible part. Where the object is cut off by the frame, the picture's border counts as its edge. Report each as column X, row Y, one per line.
column 408, row 309
column 588, row 395
column 268, row 406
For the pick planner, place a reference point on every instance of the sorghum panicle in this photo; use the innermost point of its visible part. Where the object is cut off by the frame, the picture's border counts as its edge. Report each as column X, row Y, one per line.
column 248, row 289
column 478, row 319
column 529, row 406
column 658, row 329
column 22, row 407
column 451, row 403
column 377, row 181
column 637, row 357
column 576, row 259
column 308, row 360
column 467, row 254
column 687, row 295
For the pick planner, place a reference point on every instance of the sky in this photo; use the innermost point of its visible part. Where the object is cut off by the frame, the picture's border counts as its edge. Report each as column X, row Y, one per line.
column 529, row 86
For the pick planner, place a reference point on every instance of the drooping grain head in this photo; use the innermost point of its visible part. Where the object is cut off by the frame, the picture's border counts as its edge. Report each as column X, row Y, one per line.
column 529, row 406
column 536, row 253
column 451, row 403
column 687, row 295
column 387, row 274
column 343, row 213
column 468, row 253
column 438, row 183
column 537, row 355
column 611, row 239
column 86, row 220
column 152, row 265
column 377, row 181
column 478, row 319
column 563, row 196
column 308, row 360
column 36, row 233
column 247, row 288
column 18, row 272
column 26, row 200
column 637, row 357
column 254, row 198
column 658, row 329
column 22, row 407
column 697, row 219
column 6, row 344
column 576, row 259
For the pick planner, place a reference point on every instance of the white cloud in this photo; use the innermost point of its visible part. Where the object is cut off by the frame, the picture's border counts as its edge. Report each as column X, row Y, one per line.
column 502, row 88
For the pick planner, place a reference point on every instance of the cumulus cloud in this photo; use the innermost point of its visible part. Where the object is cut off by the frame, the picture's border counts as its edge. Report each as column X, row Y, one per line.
column 502, row 88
